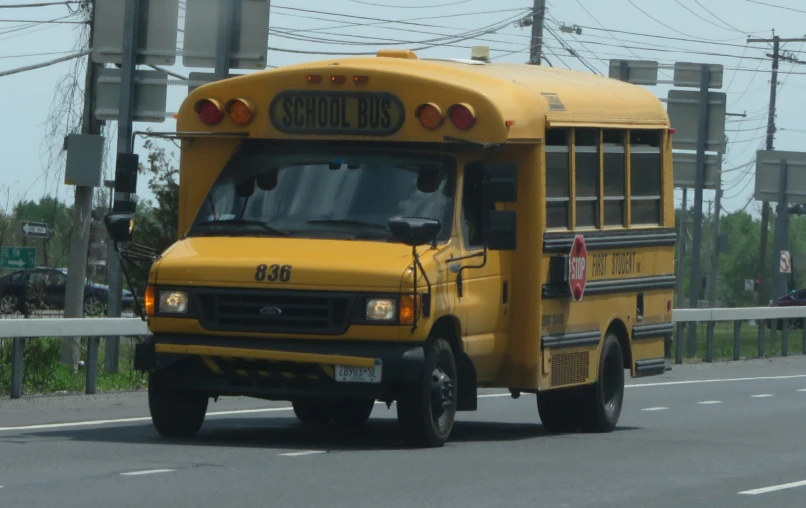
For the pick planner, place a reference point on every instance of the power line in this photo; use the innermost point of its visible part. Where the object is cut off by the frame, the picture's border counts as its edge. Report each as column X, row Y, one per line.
column 670, row 28
column 681, row 4
column 44, row 64
column 718, row 18
column 776, row 6
column 35, row 21
column 42, row 4
column 4, row 57
column 411, row 6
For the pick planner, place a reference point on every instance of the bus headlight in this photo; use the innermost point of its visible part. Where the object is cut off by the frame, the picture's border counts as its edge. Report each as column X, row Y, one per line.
column 381, row 309
column 173, row 302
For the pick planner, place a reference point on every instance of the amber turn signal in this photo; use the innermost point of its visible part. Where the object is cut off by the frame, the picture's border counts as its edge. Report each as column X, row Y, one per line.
column 430, row 116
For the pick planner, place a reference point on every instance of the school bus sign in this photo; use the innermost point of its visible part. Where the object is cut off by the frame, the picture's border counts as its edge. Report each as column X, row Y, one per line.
column 577, row 268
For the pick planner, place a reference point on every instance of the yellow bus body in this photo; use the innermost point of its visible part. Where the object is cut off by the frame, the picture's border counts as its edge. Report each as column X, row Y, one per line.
column 514, row 326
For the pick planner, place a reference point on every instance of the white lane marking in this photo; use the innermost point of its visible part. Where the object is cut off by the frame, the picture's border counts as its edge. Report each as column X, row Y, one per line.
column 655, row 409
column 138, row 419
column 148, row 471
column 761, row 395
column 802, row 390
column 707, row 402
column 300, row 454
column 488, row 395
column 774, row 488
column 703, row 381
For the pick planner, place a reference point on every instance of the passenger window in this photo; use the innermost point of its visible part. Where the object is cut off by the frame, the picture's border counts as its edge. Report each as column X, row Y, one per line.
column 615, row 177
column 645, row 176
column 558, row 180
column 473, row 205
column 586, row 150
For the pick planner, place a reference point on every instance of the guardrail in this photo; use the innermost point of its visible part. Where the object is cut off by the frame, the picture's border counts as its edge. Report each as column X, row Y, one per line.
column 21, row 330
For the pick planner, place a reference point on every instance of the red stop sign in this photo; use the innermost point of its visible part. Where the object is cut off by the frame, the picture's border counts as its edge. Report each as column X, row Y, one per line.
column 578, row 268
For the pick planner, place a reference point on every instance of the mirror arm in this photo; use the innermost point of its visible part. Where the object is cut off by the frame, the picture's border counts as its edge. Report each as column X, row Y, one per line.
column 426, row 304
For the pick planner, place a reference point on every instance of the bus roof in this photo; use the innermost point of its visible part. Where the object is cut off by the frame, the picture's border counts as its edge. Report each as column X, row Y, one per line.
column 567, row 95
column 527, row 98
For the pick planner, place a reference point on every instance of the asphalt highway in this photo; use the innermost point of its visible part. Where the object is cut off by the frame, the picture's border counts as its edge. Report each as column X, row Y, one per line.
column 729, row 435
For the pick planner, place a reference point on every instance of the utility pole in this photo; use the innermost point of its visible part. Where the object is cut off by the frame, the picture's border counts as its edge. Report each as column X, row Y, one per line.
column 765, row 206
column 538, row 19
column 79, row 240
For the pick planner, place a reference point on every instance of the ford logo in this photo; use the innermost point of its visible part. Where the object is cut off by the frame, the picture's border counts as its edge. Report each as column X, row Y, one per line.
column 270, row 311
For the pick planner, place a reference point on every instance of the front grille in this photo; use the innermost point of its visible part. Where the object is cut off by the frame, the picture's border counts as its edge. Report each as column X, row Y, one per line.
column 299, row 312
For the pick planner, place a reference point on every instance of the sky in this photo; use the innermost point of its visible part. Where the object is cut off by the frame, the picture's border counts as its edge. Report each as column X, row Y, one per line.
column 701, row 31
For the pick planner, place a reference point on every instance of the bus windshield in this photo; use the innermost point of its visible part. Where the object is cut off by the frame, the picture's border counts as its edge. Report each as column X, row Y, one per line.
column 347, row 194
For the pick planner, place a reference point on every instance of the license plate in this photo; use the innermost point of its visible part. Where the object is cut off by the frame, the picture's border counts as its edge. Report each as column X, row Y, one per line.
column 352, row 374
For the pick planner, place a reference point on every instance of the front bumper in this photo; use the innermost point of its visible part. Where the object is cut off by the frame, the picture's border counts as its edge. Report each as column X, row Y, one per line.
column 276, row 369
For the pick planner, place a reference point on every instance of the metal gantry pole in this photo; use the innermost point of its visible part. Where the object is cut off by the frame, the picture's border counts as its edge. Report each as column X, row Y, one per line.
column 712, row 288
column 226, row 16
column 699, row 182
column 123, row 200
column 681, row 273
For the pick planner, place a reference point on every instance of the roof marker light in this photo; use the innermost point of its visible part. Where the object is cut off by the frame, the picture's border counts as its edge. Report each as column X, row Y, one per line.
column 361, row 80
column 314, row 79
column 339, row 80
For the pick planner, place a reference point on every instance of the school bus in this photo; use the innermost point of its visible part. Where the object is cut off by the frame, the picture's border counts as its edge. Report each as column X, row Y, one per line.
column 391, row 229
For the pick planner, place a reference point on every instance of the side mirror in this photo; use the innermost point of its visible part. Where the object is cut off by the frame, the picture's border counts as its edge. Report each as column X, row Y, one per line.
column 501, row 183
column 120, row 226
column 414, row 231
column 501, row 230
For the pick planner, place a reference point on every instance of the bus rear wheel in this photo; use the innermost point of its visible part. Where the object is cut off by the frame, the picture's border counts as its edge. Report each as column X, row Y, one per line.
column 602, row 401
column 427, row 408
column 174, row 413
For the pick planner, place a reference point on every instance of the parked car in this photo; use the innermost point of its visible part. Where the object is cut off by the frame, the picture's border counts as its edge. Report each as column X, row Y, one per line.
column 44, row 289
column 794, row 299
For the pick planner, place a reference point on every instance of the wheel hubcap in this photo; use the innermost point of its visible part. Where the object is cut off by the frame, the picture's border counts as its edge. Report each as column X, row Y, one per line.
column 442, row 388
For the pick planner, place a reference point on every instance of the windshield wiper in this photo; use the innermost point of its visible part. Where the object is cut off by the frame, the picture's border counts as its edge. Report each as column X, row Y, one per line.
column 242, row 222
column 349, row 222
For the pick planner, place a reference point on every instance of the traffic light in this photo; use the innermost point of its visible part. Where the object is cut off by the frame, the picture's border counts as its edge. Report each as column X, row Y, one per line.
column 755, row 285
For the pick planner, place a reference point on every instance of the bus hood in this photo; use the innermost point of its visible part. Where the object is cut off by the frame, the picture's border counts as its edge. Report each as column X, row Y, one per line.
column 284, row 263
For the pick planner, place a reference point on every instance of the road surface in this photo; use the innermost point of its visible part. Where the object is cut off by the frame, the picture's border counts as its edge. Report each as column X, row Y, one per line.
column 718, row 436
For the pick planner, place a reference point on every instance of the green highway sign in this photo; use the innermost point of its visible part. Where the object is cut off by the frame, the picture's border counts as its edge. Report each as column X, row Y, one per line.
column 17, row 258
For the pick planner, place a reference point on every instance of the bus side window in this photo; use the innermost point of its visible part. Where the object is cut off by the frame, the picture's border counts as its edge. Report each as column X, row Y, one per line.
column 473, row 205
column 586, row 152
column 615, row 177
column 645, row 176
column 558, row 179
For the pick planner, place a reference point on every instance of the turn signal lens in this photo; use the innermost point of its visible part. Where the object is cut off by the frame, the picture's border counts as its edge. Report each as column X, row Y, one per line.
column 462, row 116
column 241, row 112
column 430, row 116
column 149, row 300
column 407, row 309
column 209, row 111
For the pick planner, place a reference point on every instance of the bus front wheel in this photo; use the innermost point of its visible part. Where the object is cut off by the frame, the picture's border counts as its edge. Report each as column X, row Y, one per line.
column 559, row 410
column 174, row 413
column 602, row 401
column 427, row 408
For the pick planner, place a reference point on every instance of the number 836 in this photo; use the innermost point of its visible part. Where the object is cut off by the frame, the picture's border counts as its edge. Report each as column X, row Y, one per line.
column 273, row 273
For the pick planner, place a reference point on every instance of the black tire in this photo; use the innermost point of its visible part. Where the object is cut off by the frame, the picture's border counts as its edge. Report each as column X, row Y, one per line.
column 352, row 413
column 312, row 410
column 427, row 409
column 602, row 401
column 559, row 410
column 174, row 413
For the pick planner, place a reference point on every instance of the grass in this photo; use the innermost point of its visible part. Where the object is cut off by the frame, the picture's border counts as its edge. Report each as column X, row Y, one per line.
column 43, row 372
column 748, row 341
